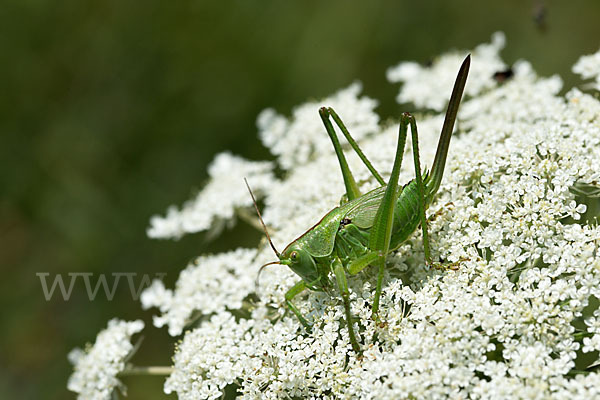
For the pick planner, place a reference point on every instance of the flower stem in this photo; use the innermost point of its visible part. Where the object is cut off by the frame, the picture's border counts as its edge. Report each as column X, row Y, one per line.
column 148, row 370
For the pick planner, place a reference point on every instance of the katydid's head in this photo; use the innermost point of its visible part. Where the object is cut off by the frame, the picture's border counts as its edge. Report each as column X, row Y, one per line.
column 301, row 262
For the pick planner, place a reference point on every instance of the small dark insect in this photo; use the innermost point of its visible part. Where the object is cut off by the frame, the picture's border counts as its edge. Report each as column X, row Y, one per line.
column 344, row 222
column 502, row 76
column 538, row 13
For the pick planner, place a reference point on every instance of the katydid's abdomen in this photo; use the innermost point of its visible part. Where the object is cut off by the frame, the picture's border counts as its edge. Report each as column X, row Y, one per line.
column 406, row 212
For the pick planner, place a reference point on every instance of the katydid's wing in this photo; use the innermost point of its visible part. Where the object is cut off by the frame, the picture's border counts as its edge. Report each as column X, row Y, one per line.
column 320, row 239
column 361, row 211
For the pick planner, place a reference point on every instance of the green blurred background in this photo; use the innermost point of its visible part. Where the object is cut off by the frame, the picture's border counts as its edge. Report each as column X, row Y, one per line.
column 111, row 110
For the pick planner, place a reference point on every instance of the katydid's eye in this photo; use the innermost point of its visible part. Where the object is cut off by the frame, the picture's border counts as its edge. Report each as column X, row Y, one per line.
column 294, row 255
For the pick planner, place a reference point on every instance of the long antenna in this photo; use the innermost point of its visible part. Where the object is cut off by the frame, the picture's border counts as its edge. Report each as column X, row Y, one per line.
column 278, row 254
column 260, row 271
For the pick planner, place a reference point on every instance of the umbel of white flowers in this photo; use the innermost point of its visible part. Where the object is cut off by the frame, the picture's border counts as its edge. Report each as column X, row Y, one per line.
column 518, row 317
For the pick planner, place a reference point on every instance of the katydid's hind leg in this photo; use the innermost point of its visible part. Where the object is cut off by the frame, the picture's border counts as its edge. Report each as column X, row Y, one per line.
column 355, row 146
column 381, row 232
column 289, row 296
column 340, row 276
column 420, row 188
column 351, row 187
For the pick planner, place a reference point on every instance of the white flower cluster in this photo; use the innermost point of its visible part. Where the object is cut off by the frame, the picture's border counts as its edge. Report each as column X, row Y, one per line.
column 429, row 87
column 210, row 209
column 209, row 284
column 512, row 315
column 589, row 67
column 593, row 327
column 96, row 367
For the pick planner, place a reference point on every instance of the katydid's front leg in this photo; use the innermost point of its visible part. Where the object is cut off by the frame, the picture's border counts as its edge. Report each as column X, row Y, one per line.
column 289, row 295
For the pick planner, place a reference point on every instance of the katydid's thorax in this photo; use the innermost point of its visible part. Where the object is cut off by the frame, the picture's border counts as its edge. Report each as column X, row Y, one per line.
column 319, row 240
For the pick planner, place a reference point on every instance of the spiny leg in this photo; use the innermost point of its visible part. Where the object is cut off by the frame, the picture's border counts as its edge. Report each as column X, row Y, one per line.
column 289, row 295
column 381, row 233
column 420, row 188
column 351, row 187
column 342, row 283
